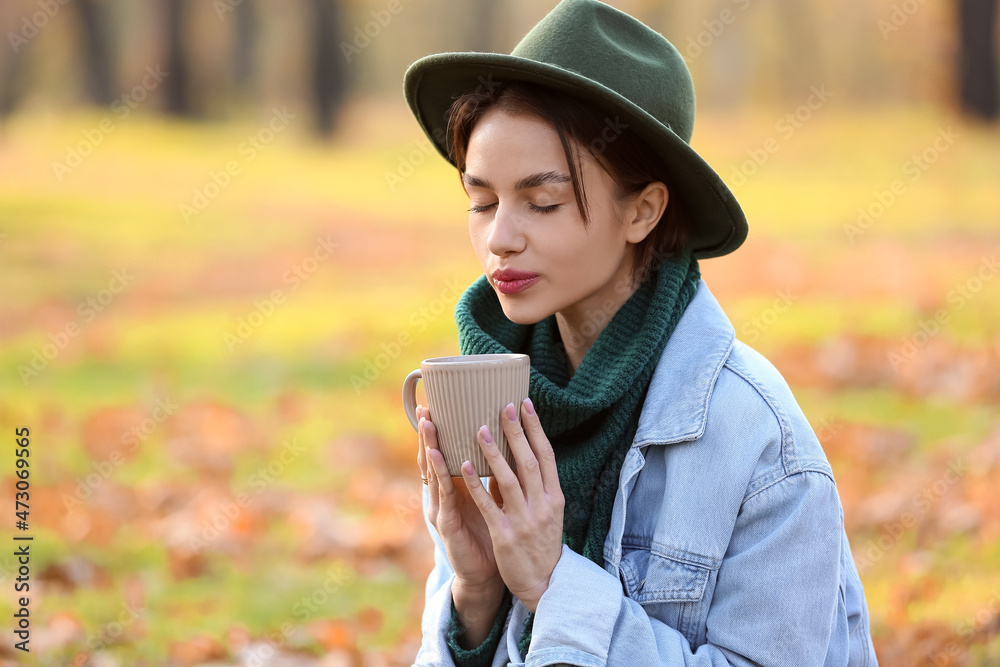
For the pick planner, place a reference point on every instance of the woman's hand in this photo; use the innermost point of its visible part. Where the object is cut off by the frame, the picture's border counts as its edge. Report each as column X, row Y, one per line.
column 526, row 529
column 478, row 588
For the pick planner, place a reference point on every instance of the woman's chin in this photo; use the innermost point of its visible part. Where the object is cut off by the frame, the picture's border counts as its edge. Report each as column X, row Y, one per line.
column 521, row 313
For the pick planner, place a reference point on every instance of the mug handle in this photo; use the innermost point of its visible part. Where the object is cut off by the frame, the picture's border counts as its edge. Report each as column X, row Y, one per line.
column 410, row 397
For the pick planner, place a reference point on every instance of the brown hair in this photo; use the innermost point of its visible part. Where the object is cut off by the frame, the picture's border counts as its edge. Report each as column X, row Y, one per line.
column 631, row 165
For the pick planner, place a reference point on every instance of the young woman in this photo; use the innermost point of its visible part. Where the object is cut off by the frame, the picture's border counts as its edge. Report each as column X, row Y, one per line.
column 670, row 504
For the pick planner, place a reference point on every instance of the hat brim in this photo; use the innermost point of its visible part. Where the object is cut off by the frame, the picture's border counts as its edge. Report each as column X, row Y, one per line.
column 431, row 84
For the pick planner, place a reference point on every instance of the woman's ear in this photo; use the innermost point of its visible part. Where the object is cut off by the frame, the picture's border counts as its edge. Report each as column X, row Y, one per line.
column 645, row 211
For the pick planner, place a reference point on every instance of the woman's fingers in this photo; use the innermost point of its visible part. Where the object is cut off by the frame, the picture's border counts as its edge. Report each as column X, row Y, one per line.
column 445, row 484
column 444, row 487
column 541, row 446
column 421, row 460
column 434, row 500
column 527, row 462
column 510, row 486
column 484, row 501
column 495, row 492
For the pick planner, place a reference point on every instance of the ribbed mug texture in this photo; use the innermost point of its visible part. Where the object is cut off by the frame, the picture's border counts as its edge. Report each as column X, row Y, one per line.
column 463, row 397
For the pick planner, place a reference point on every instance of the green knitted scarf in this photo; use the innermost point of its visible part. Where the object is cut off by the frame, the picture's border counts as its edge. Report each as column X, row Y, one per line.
column 591, row 416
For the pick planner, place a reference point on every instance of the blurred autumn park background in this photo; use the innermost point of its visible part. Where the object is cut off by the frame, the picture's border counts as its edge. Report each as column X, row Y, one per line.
column 224, row 241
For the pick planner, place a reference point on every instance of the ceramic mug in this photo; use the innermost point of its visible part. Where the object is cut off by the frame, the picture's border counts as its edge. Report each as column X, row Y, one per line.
column 464, row 393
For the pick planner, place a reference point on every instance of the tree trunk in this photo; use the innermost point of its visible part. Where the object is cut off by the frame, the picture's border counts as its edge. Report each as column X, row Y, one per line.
column 799, row 33
column 977, row 58
column 14, row 80
column 177, row 97
column 482, row 35
column 97, row 58
column 329, row 66
column 244, row 47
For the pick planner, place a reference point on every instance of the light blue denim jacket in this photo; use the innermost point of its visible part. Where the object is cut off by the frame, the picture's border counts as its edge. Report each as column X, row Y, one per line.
column 727, row 542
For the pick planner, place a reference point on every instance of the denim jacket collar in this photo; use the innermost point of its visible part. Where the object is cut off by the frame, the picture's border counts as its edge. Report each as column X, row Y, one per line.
column 676, row 405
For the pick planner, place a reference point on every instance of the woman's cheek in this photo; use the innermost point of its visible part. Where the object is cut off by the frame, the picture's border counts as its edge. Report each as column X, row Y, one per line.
column 478, row 237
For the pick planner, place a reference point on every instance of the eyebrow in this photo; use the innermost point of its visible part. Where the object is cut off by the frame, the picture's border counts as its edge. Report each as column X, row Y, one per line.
column 532, row 181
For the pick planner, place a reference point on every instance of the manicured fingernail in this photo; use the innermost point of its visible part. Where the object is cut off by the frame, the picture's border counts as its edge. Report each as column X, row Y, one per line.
column 485, row 432
column 467, row 469
column 511, row 412
column 529, row 407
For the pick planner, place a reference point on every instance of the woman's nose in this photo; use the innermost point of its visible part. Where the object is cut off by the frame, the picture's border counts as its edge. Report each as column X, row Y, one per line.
column 505, row 235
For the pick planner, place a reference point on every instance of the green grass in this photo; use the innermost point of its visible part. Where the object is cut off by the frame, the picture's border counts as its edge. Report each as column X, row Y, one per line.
column 379, row 305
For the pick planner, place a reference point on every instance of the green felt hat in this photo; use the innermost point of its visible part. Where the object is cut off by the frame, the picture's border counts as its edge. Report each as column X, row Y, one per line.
column 599, row 54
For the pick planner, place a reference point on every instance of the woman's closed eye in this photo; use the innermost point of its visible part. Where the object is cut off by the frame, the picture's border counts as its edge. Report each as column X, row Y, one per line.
column 481, row 209
column 533, row 207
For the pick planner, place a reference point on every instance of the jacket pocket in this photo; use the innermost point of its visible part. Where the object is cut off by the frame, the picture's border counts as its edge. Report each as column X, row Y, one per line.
column 669, row 590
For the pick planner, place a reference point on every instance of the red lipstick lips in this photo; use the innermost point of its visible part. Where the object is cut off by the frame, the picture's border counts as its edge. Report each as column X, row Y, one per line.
column 512, row 281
